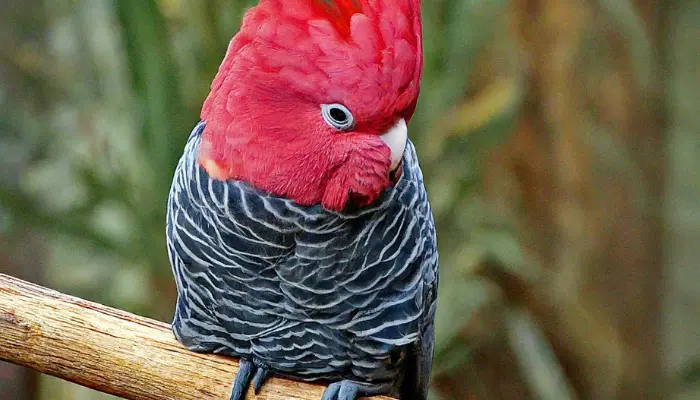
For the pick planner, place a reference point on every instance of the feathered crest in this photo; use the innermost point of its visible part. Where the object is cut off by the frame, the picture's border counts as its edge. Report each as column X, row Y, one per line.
column 338, row 12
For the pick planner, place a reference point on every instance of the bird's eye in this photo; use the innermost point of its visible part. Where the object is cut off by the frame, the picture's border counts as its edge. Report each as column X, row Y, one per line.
column 338, row 116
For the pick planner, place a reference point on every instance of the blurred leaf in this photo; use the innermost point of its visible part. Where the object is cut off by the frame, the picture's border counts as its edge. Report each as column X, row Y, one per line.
column 538, row 362
column 155, row 81
column 503, row 248
column 460, row 299
column 629, row 23
column 487, row 105
column 690, row 376
column 454, row 32
column 497, row 101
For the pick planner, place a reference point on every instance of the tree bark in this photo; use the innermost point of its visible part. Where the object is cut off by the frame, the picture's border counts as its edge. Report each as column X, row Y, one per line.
column 116, row 352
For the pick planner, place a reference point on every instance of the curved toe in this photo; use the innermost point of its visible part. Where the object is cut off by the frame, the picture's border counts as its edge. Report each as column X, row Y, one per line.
column 249, row 372
column 260, row 378
column 351, row 390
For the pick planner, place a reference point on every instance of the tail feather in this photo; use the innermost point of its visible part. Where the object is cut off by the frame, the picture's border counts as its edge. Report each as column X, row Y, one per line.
column 417, row 365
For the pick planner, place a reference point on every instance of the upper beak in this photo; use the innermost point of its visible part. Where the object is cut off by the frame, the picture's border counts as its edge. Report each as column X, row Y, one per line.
column 396, row 138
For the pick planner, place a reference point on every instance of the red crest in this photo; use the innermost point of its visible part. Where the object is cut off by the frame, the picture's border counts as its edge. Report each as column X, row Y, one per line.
column 263, row 114
column 338, row 12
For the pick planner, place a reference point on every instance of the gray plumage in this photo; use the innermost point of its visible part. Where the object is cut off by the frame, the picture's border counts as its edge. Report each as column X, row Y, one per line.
column 306, row 292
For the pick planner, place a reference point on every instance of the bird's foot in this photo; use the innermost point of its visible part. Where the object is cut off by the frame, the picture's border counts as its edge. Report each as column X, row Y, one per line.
column 249, row 372
column 351, row 390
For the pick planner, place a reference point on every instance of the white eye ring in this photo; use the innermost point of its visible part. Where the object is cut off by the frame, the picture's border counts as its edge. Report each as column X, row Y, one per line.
column 338, row 116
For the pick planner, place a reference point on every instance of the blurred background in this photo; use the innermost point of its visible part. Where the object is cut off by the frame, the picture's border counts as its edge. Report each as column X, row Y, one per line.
column 560, row 140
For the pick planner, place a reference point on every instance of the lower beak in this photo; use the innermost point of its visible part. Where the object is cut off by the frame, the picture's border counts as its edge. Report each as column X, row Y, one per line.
column 396, row 138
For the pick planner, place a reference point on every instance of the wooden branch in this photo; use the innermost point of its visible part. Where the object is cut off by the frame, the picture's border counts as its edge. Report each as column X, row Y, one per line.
column 116, row 352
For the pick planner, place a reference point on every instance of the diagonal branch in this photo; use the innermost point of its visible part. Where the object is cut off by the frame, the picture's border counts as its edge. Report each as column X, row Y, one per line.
column 116, row 352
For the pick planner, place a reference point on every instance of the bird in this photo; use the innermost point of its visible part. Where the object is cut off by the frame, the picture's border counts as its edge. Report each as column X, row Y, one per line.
column 298, row 229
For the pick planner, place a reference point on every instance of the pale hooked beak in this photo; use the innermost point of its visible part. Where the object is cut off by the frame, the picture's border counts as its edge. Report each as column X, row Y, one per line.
column 396, row 138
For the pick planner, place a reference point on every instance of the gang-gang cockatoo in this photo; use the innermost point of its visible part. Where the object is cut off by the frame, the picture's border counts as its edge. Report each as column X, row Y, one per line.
column 299, row 229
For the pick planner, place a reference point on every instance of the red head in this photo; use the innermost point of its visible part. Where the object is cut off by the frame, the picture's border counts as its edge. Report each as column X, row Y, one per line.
column 307, row 91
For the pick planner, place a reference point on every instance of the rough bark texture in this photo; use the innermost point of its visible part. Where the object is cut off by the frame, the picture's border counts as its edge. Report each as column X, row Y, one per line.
column 21, row 254
column 116, row 352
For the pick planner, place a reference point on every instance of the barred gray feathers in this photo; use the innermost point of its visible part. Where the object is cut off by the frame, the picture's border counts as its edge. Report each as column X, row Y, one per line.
column 311, row 293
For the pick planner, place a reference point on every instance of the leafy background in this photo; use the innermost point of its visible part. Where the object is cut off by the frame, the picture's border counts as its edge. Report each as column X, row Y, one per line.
column 560, row 140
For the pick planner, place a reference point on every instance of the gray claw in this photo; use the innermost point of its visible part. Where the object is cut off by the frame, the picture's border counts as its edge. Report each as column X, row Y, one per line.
column 260, row 378
column 245, row 376
column 331, row 392
column 242, row 381
column 351, row 390
column 348, row 392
